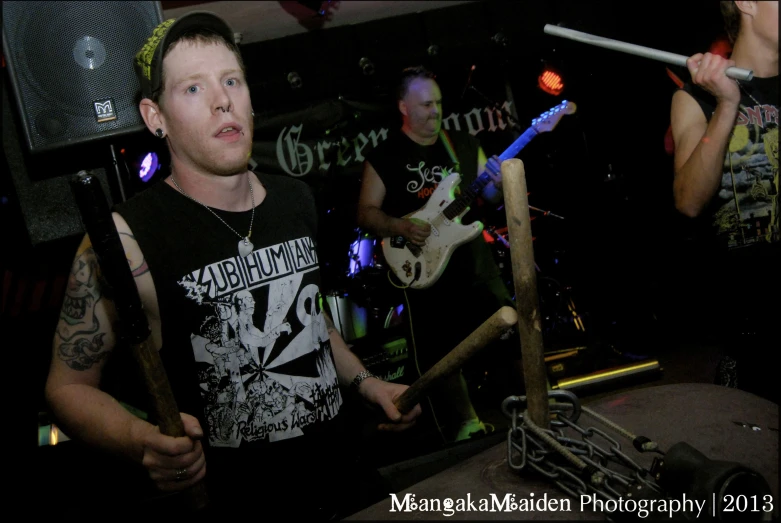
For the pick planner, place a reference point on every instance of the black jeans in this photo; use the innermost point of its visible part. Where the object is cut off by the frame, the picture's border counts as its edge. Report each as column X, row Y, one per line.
column 743, row 306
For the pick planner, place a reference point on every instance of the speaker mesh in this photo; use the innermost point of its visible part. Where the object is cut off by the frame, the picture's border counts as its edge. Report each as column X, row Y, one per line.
column 65, row 56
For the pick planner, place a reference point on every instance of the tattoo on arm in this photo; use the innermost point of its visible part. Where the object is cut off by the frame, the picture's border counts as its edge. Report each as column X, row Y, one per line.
column 82, row 294
column 78, row 331
column 141, row 269
column 82, row 354
column 138, row 268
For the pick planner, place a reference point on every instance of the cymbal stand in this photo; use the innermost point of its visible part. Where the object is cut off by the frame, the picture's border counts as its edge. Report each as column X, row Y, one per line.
column 493, row 232
column 546, row 213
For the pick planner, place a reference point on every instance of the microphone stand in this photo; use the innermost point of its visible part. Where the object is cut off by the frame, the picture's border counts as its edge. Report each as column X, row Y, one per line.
column 117, row 171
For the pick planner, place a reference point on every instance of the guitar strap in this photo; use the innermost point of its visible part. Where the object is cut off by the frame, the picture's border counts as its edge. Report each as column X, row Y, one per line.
column 451, row 151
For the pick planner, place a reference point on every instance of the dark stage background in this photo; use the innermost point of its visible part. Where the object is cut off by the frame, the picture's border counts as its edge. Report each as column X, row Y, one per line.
column 622, row 248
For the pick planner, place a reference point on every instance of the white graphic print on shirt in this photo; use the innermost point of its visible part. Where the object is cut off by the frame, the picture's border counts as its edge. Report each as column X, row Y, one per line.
column 434, row 175
column 265, row 372
column 748, row 198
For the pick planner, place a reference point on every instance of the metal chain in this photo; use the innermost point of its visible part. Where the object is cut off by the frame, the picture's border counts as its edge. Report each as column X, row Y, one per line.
column 646, row 445
column 609, row 423
column 740, row 86
column 551, row 441
column 578, row 466
column 252, row 218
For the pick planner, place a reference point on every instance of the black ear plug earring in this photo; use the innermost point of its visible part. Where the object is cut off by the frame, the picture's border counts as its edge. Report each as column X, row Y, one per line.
column 159, row 133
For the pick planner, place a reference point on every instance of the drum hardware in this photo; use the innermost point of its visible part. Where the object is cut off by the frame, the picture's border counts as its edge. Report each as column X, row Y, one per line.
column 354, row 321
column 371, row 332
column 562, row 322
column 501, row 254
column 350, row 319
column 363, row 254
column 367, row 275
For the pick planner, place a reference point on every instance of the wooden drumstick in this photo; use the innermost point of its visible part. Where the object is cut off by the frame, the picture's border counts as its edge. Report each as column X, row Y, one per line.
column 527, row 303
column 489, row 331
column 100, row 227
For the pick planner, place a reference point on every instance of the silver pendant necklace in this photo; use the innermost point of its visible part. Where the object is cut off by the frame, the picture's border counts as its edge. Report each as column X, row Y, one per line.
column 740, row 86
column 245, row 246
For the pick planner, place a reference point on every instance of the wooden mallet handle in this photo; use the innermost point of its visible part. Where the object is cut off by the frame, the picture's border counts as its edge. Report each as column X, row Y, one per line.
column 527, row 303
column 489, row 331
column 133, row 326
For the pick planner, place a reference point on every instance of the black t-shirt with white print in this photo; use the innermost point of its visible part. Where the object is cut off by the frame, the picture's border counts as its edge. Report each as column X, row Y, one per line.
column 411, row 172
column 745, row 211
column 245, row 344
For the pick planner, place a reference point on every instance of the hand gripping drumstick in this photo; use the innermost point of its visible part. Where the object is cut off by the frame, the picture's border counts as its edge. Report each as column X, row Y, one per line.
column 489, row 331
column 526, row 298
column 646, row 52
column 108, row 248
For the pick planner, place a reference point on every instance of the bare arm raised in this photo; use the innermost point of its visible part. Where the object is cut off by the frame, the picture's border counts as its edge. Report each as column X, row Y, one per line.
column 84, row 340
column 700, row 145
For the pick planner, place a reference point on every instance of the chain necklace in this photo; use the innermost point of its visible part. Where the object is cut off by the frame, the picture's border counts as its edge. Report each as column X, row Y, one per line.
column 740, row 86
column 245, row 246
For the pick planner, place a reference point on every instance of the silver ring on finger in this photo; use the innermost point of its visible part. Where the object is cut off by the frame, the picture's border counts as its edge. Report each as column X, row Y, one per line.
column 180, row 474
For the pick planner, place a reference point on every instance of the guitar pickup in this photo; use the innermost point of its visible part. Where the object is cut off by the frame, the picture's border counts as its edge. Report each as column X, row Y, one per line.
column 398, row 242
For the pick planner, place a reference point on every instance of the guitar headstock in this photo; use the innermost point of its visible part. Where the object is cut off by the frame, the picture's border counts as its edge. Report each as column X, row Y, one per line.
column 548, row 120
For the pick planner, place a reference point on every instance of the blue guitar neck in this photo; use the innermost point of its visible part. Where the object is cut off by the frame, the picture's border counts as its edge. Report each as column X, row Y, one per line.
column 461, row 203
column 518, row 144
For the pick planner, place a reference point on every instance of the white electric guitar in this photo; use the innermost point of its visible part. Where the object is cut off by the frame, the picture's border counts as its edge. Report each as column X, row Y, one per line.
column 421, row 266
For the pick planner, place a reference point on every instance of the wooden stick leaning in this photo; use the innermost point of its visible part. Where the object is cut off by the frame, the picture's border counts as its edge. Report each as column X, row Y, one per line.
column 489, row 331
column 527, row 302
column 134, row 328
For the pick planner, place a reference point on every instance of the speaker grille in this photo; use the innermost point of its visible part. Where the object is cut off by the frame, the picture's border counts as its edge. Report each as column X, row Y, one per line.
column 63, row 57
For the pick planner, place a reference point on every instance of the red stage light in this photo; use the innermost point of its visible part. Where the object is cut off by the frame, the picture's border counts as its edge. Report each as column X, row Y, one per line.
column 550, row 81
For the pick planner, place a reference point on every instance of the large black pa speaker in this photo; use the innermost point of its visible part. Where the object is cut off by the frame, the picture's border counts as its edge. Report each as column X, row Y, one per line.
column 35, row 187
column 71, row 68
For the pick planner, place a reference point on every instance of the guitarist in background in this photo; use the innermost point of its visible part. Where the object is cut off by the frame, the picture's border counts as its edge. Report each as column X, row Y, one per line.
column 399, row 177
